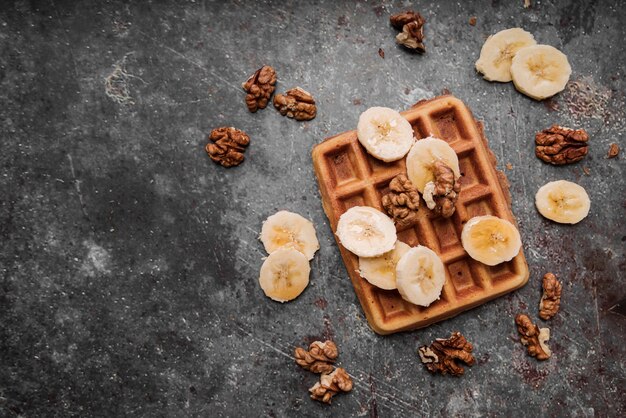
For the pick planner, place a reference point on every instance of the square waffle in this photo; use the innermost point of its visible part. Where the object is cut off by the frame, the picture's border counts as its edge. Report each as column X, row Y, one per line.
column 348, row 176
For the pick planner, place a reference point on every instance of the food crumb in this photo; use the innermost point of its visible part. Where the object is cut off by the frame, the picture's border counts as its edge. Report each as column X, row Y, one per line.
column 527, row 4
column 586, row 170
column 472, row 21
column 381, row 52
column 613, row 151
column 509, row 166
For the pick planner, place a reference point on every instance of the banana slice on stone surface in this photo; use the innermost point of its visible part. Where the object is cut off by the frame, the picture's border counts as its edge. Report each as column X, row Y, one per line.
column 381, row 271
column 284, row 274
column 384, row 133
column 498, row 52
column 366, row 232
column 540, row 71
column 422, row 157
column 563, row 201
column 420, row 276
column 490, row 240
column 288, row 229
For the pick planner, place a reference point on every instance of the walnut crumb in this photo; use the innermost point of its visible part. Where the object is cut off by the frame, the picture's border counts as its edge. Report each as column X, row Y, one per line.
column 558, row 145
column 412, row 26
column 443, row 355
column 319, row 357
column 472, row 21
column 533, row 338
column 509, row 166
column 330, row 384
column 613, row 151
column 260, row 87
column 296, row 103
column 228, row 147
column 402, row 201
column 551, row 298
column 441, row 194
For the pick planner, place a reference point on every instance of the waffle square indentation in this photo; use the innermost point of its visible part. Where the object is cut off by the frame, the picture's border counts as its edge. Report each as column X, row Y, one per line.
column 502, row 272
column 471, row 175
column 461, row 277
column 446, row 233
column 343, row 166
column 479, row 207
column 355, row 199
column 450, row 126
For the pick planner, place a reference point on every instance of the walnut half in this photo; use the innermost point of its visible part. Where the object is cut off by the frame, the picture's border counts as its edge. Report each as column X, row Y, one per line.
column 559, row 146
column 403, row 200
column 551, row 298
column 442, row 194
column 319, row 358
column 442, row 355
column 533, row 338
column 296, row 103
column 330, row 384
column 260, row 87
column 412, row 26
column 228, row 147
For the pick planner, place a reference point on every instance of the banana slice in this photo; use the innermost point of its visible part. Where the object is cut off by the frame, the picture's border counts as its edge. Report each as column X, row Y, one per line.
column 381, row 271
column 540, row 71
column 420, row 276
column 498, row 51
column 366, row 231
column 563, row 201
column 291, row 230
column 421, row 159
column 284, row 274
column 490, row 240
column 384, row 133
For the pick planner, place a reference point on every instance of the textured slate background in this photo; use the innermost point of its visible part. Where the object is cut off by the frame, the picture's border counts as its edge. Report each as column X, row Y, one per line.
column 129, row 260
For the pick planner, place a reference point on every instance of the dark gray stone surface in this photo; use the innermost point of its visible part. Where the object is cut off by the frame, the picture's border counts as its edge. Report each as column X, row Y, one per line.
column 129, row 260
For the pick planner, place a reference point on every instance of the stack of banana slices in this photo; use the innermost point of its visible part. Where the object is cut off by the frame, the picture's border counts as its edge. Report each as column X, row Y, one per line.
column 290, row 241
column 417, row 273
column 538, row 71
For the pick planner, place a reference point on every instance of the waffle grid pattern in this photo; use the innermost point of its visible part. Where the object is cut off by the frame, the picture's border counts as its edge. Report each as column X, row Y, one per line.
column 348, row 177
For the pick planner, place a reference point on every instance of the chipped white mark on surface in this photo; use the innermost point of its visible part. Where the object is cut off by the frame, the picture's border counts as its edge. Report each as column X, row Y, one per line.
column 97, row 261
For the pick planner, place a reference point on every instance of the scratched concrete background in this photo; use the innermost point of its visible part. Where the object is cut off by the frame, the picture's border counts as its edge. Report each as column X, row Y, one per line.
column 129, row 260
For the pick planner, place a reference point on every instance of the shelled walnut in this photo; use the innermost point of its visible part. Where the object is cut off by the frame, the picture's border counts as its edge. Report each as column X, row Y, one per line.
column 558, row 145
column 551, row 298
column 331, row 384
column 613, row 151
column 260, row 87
column 296, row 103
column 412, row 26
column 441, row 194
column 533, row 338
column 319, row 358
column 402, row 202
column 228, row 147
column 442, row 355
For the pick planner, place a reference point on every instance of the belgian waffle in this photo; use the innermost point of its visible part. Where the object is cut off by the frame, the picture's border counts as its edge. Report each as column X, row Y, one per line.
column 348, row 176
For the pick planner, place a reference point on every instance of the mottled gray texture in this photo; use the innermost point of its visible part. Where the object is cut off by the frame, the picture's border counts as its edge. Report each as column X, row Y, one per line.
column 129, row 260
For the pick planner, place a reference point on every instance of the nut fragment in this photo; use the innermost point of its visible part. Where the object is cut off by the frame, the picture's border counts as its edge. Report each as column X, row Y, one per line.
column 331, row 384
column 613, row 151
column 403, row 200
column 441, row 194
column 551, row 298
column 296, row 103
column 533, row 338
column 558, row 145
column 319, row 358
column 472, row 21
column 412, row 26
column 442, row 355
column 260, row 87
column 230, row 143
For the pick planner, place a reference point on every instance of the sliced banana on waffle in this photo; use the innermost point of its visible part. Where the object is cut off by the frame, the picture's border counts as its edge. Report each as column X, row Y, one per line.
column 381, row 271
column 563, row 201
column 284, row 274
column 420, row 276
column 540, row 71
column 490, row 240
column 288, row 229
column 498, row 52
column 384, row 133
column 366, row 232
column 422, row 157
